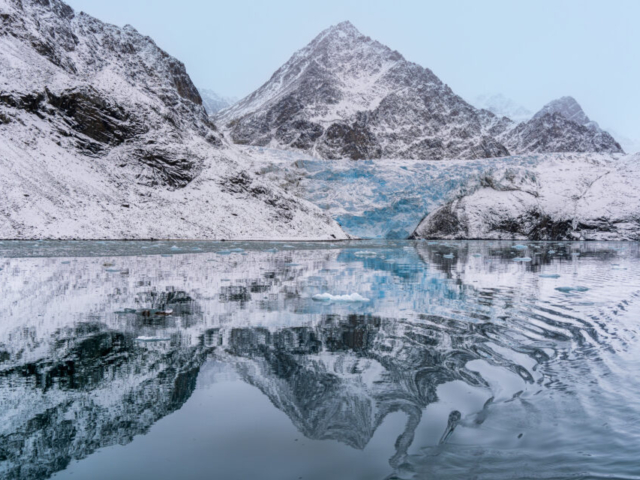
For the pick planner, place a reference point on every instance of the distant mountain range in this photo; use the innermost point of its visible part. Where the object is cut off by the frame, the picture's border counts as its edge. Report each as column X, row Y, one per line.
column 213, row 102
column 347, row 96
column 502, row 106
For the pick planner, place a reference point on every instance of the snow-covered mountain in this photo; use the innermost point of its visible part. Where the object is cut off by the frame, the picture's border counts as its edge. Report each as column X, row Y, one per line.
column 103, row 135
column 213, row 102
column 568, row 197
column 560, row 126
column 502, row 106
column 347, row 96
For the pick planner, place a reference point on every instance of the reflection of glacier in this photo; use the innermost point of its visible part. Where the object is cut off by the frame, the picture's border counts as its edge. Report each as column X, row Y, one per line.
column 75, row 375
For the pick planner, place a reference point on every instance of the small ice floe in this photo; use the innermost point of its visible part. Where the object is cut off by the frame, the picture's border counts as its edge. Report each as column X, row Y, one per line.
column 65, row 263
column 448, row 255
column 520, row 247
column 522, row 259
column 575, row 254
column 151, row 312
column 166, row 255
column 224, row 252
column 113, row 270
column 477, row 255
column 125, row 311
column 549, row 275
column 365, row 253
column 175, row 247
column 108, row 264
column 327, row 297
column 615, row 267
column 551, row 252
column 571, row 289
column 271, row 250
column 153, row 339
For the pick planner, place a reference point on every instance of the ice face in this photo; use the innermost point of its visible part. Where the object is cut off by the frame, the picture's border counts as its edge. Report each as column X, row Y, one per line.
column 381, row 198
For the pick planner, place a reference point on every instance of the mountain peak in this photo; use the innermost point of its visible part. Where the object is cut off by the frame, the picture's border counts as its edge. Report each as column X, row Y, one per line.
column 346, row 27
column 568, row 107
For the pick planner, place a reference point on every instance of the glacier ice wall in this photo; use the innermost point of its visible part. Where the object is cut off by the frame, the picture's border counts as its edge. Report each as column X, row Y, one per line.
column 378, row 198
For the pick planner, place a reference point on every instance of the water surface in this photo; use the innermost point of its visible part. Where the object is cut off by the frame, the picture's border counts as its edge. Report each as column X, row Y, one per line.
column 201, row 360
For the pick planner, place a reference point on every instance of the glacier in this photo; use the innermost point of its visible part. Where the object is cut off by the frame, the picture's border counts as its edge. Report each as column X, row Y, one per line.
column 389, row 198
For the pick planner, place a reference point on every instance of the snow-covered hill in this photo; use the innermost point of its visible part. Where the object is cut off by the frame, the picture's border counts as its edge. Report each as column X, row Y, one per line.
column 562, row 198
column 347, row 96
column 103, row 135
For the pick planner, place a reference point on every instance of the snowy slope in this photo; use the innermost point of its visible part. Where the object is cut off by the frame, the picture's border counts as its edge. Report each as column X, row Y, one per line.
column 563, row 198
column 103, row 135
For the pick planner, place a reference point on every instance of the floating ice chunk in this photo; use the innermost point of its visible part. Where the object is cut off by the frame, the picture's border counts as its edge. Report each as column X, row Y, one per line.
column 477, row 255
column 448, row 255
column 166, row 255
column 520, row 247
column 366, row 253
column 125, row 311
column 63, row 263
column 549, row 275
column 153, row 339
column 272, row 250
column 224, row 252
column 571, row 289
column 175, row 247
column 113, row 270
column 327, row 297
column 551, row 252
column 522, row 259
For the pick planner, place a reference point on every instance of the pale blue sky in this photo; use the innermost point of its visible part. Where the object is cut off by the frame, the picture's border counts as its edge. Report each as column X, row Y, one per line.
column 531, row 51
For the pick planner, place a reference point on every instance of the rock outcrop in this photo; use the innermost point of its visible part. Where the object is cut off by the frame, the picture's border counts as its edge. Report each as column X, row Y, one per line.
column 562, row 198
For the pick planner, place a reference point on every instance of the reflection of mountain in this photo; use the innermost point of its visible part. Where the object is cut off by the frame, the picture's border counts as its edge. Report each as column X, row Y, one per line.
column 340, row 380
column 91, row 358
column 102, row 389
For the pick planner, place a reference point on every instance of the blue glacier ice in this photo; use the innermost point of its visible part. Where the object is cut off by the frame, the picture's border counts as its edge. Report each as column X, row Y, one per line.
column 381, row 198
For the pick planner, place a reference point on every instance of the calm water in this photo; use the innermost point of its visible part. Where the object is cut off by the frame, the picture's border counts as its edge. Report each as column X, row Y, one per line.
column 193, row 360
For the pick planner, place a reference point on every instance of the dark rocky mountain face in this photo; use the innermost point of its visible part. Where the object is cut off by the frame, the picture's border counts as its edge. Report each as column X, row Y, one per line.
column 554, row 132
column 560, row 126
column 347, row 96
column 100, row 87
